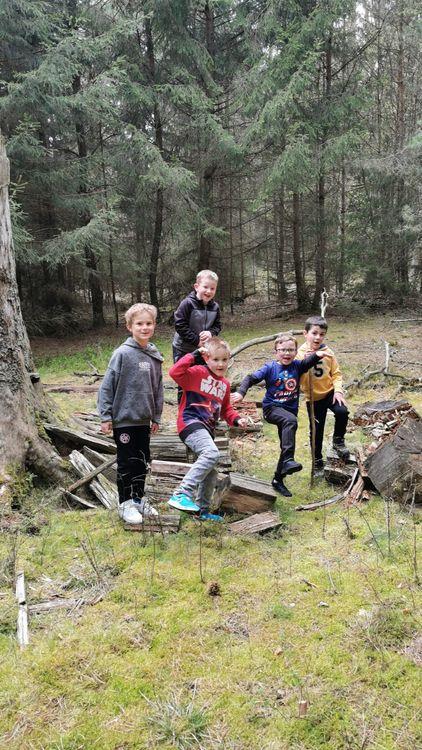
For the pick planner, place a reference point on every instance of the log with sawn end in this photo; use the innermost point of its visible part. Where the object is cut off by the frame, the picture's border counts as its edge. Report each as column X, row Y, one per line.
column 248, row 495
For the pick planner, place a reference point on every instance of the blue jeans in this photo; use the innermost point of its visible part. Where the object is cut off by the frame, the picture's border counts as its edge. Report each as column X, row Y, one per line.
column 203, row 474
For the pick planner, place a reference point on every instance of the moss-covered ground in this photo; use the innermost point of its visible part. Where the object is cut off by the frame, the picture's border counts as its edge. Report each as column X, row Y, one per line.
column 322, row 611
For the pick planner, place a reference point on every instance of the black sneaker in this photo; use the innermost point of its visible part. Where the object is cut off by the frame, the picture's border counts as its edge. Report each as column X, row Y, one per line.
column 281, row 488
column 319, row 468
column 290, row 467
column 340, row 448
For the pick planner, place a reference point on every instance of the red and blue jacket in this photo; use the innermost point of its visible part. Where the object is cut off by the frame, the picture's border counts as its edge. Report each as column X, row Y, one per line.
column 205, row 399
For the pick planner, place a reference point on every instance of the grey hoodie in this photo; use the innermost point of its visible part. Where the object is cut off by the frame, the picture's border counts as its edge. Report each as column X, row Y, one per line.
column 132, row 389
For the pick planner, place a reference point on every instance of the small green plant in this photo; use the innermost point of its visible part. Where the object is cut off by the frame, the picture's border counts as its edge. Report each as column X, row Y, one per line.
column 177, row 721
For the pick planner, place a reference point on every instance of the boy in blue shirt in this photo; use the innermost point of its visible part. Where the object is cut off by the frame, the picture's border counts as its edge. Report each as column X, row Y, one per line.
column 281, row 400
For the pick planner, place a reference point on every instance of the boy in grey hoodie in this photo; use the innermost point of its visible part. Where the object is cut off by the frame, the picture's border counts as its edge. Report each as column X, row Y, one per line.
column 130, row 402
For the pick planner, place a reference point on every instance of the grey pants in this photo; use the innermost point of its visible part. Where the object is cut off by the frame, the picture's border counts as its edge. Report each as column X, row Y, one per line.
column 203, row 474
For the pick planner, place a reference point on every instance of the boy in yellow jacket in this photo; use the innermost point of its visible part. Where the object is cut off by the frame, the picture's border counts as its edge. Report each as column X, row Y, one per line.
column 327, row 386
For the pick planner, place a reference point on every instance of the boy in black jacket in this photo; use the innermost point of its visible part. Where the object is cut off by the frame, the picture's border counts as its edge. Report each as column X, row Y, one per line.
column 198, row 316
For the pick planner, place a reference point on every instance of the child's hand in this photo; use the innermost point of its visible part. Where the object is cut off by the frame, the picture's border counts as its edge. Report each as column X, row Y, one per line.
column 106, row 427
column 204, row 336
column 154, row 428
column 236, row 398
column 323, row 353
column 243, row 422
column 338, row 398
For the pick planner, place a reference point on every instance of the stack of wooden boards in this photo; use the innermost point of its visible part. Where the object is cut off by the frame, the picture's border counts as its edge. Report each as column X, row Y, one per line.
column 171, row 459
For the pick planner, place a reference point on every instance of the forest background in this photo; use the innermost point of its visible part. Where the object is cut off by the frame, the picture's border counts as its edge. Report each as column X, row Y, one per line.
column 274, row 142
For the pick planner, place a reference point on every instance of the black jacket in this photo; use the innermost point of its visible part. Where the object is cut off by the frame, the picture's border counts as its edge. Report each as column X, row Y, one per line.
column 192, row 317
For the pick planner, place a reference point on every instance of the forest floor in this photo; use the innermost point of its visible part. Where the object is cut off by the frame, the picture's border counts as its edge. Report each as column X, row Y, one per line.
column 312, row 612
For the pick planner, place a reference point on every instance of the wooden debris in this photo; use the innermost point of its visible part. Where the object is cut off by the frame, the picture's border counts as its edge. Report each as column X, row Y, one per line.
column 22, row 631
column 92, row 474
column 63, row 437
column 335, row 499
column 170, row 468
column 395, row 467
column 101, row 487
column 75, row 499
column 256, row 524
column 382, row 411
column 245, row 494
column 96, row 459
column 165, row 523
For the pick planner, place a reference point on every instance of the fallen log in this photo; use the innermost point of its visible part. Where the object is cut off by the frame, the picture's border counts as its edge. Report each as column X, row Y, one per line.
column 63, row 437
column 97, row 459
column 260, row 340
column 395, row 467
column 248, row 495
column 256, row 524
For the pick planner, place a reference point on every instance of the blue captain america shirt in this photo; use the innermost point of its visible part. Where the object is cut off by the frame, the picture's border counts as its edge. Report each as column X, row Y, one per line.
column 282, row 382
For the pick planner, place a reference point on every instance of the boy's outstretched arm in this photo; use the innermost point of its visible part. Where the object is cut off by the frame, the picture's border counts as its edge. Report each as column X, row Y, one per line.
column 253, row 379
column 179, row 370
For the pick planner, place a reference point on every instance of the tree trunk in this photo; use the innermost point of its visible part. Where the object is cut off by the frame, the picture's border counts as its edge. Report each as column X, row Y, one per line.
column 301, row 291
column 279, row 236
column 159, row 197
column 94, row 281
column 20, row 398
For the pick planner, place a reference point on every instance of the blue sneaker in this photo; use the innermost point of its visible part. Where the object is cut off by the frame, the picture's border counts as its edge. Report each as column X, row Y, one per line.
column 209, row 517
column 183, row 502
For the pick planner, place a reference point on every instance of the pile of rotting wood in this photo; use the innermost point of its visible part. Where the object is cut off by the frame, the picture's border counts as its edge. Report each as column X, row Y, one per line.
column 390, row 465
column 92, row 455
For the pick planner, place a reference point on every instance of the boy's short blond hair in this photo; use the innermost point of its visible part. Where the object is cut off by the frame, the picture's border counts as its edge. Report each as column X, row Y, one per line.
column 206, row 274
column 284, row 337
column 214, row 343
column 140, row 307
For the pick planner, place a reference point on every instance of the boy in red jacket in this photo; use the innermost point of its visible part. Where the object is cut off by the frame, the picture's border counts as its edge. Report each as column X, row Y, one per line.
column 205, row 400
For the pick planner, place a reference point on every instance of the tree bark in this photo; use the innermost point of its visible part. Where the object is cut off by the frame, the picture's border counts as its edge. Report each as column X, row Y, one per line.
column 159, row 197
column 301, row 291
column 20, row 398
column 94, row 280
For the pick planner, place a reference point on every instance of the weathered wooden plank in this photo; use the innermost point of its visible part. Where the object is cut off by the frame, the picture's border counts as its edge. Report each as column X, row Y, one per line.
column 170, row 468
column 96, row 459
column 20, row 588
column 256, row 524
column 92, row 474
column 64, row 435
column 101, row 487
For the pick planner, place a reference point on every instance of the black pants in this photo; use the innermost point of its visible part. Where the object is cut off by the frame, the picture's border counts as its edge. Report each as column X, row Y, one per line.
column 133, row 455
column 287, row 425
column 341, row 416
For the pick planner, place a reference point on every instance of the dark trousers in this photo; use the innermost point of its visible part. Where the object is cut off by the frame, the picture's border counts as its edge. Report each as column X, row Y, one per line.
column 287, row 425
column 133, row 455
column 341, row 416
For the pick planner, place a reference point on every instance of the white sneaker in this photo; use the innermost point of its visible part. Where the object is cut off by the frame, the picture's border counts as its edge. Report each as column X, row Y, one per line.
column 144, row 506
column 129, row 513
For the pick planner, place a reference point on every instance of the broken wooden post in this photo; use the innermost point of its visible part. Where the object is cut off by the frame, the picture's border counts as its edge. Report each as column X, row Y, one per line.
column 22, row 622
column 256, row 524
